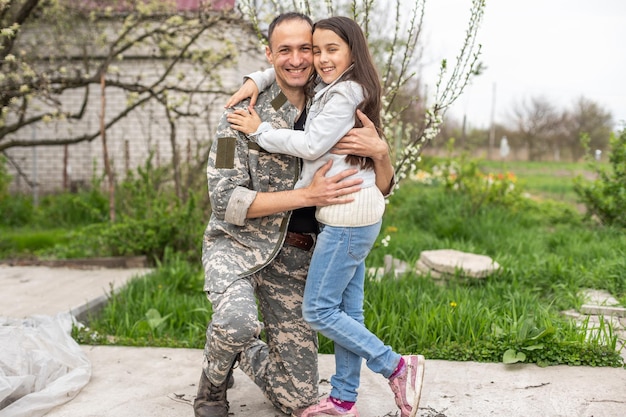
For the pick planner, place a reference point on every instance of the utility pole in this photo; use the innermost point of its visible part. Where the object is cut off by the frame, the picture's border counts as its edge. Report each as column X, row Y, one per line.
column 492, row 130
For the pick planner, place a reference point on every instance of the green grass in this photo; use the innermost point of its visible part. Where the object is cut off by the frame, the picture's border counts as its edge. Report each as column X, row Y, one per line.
column 547, row 255
column 24, row 242
column 164, row 308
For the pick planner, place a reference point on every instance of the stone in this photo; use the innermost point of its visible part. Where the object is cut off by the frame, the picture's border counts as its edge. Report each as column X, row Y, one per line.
column 599, row 312
column 600, row 302
column 603, row 310
column 599, row 298
column 448, row 261
column 425, row 270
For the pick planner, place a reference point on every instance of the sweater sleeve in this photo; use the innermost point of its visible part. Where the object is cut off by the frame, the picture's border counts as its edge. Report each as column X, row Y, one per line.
column 262, row 79
column 322, row 130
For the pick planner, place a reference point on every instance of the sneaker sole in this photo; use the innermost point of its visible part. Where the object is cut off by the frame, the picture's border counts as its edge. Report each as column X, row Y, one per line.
column 419, row 379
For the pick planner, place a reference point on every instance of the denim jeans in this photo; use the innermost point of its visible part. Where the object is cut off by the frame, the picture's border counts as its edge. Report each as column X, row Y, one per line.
column 333, row 305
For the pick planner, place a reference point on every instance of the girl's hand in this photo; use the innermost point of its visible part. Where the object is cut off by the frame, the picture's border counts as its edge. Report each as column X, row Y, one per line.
column 245, row 121
column 248, row 89
column 362, row 141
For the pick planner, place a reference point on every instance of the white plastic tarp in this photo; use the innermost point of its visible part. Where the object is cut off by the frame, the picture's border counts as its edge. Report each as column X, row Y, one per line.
column 41, row 366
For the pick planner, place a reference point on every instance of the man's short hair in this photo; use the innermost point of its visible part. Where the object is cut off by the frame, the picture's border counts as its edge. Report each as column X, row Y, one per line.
column 283, row 17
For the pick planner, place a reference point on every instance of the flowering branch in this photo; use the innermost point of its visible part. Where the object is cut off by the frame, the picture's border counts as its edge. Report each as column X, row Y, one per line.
column 447, row 92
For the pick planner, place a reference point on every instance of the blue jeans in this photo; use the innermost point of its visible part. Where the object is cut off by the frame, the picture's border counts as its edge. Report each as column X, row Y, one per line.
column 333, row 305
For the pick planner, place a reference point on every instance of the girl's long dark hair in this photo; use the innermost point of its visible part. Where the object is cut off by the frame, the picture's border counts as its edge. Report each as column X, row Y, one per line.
column 363, row 72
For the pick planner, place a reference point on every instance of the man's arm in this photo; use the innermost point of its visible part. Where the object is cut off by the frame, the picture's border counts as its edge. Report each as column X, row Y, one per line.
column 365, row 141
column 323, row 191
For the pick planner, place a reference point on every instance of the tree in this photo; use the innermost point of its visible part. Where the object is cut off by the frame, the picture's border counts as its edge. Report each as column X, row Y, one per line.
column 55, row 49
column 587, row 118
column 542, row 129
column 537, row 125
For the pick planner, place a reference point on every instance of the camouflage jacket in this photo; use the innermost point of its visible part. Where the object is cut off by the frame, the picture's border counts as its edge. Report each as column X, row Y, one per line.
column 233, row 246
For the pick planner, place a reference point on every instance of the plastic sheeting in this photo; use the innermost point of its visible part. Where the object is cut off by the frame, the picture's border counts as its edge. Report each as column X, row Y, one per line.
column 41, row 366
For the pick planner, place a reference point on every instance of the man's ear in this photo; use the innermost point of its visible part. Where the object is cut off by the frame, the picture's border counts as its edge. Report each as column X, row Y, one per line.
column 268, row 55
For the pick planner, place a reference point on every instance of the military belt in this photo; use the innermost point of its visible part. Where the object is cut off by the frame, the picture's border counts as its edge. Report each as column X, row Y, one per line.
column 299, row 240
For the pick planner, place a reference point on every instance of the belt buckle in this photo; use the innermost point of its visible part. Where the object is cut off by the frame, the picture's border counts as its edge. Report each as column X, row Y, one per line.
column 299, row 240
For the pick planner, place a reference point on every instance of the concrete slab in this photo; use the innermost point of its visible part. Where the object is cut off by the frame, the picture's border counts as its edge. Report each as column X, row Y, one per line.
column 603, row 310
column 601, row 302
column 155, row 382
column 598, row 297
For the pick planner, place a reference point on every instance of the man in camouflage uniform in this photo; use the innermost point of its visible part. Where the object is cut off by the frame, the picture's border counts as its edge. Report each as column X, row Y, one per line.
column 255, row 249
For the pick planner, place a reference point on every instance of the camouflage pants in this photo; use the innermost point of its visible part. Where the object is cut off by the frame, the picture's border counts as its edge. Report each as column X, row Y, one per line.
column 285, row 365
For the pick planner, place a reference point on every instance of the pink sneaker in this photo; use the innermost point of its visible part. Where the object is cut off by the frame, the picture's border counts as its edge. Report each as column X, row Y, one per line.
column 326, row 408
column 407, row 387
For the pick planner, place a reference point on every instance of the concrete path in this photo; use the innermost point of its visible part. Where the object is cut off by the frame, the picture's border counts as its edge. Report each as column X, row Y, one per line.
column 156, row 382
column 28, row 290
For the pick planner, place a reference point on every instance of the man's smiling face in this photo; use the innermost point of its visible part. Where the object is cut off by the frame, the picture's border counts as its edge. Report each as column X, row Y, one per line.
column 291, row 53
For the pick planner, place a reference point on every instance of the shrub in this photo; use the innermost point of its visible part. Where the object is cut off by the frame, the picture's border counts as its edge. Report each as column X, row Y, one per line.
column 72, row 209
column 5, row 179
column 150, row 219
column 17, row 211
column 605, row 197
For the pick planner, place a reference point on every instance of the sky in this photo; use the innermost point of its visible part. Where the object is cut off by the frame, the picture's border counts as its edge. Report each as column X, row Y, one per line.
column 559, row 50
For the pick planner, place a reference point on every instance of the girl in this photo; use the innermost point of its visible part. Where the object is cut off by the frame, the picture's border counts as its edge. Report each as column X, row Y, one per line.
column 347, row 80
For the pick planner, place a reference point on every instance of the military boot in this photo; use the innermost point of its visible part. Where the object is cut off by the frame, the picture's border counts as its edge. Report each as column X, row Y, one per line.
column 211, row 399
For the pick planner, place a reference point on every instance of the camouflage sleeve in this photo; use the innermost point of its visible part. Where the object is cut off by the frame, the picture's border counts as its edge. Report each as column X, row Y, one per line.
column 238, row 205
column 228, row 175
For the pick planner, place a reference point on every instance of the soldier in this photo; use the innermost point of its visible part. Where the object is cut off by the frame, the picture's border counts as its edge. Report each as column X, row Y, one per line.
column 257, row 245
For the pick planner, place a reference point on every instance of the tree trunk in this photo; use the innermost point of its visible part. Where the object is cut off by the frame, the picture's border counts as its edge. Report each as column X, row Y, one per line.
column 66, row 182
column 105, row 152
column 175, row 156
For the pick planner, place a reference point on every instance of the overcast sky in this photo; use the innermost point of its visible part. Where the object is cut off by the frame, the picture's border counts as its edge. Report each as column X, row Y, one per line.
column 556, row 49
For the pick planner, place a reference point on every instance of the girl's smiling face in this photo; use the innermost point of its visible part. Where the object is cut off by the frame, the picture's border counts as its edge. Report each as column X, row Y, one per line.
column 331, row 55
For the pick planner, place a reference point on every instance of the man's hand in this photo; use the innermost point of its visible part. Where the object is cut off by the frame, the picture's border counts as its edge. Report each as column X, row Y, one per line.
column 248, row 89
column 321, row 192
column 326, row 191
column 362, row 141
